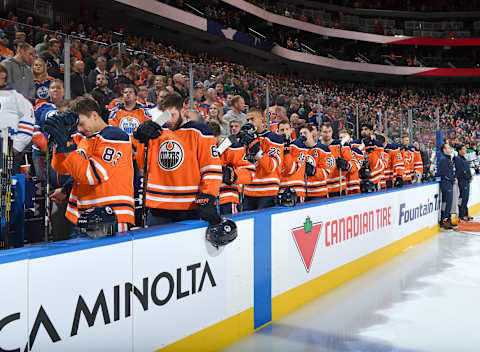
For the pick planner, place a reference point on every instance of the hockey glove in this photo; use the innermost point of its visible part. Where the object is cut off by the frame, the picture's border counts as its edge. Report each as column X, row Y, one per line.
column 207, row 208
column 310, row 169
column 147, row 131
column 69, row 119
column 343, row 164
column 253, row 148
column 247, row 134
column 229, row 176
column 60, row 135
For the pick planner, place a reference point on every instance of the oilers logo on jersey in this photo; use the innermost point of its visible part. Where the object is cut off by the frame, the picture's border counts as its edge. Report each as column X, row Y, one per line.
column 43, row 93
column 170, row 155
column 129, row 124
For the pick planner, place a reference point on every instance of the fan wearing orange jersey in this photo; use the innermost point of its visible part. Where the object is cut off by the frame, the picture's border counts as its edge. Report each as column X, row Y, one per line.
column 265, row 150
column 237, row 171
column 129, row 115
column 100, row 162
column 344, row 161
column 319, row 163
column 184, row 169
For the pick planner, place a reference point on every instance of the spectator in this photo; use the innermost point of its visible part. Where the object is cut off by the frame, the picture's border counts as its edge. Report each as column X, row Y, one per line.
column 52, row 58
column 77, row 79
column 215, row 114
column 5, row 52
column 234, row 127
column 20, row 76
column 179, row 85
column 43, row 45
column 17, row 115
column 41, row 35
column 155, row 112
column 41, row 79
column 236, row 113
column 158, row 85
column 100, row 69
column 101, row 93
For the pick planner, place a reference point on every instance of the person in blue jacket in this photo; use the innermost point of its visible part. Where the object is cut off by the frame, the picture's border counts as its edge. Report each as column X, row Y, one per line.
column 447, row 180
column 464, row 177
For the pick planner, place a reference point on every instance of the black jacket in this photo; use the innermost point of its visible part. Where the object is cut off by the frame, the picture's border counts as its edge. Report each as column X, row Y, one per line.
column 77, row 84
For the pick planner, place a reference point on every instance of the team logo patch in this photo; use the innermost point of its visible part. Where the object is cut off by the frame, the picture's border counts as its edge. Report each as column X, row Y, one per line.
column 42, row 92
column 170, row 155
column 129, row 124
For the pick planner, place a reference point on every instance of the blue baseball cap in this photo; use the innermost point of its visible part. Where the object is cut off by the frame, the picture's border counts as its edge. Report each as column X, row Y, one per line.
column 2, row 35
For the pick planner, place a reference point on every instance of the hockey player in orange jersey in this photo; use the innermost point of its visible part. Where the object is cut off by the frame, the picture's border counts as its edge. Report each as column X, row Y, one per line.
column 353, row 180
column 237, row 171
column 417, row 164
column 395, row 166
column 265, row 149
column 99, row 158
column 184, row 168
column 129, row 115
column 408, row 159
column 375, row 162
column 344, row 163
column 293, row 165
column 319, row 163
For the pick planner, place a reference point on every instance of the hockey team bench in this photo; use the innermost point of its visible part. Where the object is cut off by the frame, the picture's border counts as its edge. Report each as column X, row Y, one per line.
column 167, row 288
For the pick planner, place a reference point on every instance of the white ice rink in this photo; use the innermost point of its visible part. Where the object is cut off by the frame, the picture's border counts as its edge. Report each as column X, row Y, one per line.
column 425, row 299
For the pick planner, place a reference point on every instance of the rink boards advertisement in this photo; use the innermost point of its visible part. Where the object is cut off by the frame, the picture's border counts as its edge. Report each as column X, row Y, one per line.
column 308, row 243
column 166, row 288
column 137, row 295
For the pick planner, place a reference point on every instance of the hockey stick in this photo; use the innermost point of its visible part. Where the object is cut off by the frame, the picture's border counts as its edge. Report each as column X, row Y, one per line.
column 4, row 199
column 144, row 189
column 340, row 170
column 306, row 183
column 47, row 191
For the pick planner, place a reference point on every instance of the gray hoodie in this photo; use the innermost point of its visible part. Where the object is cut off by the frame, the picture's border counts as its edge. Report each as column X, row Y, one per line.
column 20, row 76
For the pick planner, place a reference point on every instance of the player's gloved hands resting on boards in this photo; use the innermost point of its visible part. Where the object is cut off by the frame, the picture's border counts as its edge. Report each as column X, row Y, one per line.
column 60, row 134
column 147, row 131
column 207, row 208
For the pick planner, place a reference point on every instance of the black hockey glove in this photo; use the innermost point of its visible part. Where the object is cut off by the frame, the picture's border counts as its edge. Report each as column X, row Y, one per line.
column 147, row 131
column 229, row 176
column 247, row 134
column 207, row 208
column 343, row 164
column 69, row 119
column 59, row 135
column 364, row 173
column 310, row 169
column 253, row 148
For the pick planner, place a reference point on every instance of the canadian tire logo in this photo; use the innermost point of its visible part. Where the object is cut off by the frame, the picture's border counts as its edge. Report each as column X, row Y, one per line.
column 306, row 239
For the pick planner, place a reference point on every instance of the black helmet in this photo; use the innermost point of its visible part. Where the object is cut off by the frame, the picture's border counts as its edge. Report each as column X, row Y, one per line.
column 98, row 222
column 287, row 197
column 222, row 233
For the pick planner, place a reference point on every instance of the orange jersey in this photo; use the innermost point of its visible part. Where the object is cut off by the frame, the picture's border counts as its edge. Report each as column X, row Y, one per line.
column 235, row 156
column 324, row 163
column 396, row 166
column 334, row 180
column 268, row 167
column 353, row 179
column 181, row 164
column 115, row 103
column 376, row 164
column 408, row 159
column 293, row 167
column 386, row 161
column 102, row 169
column 128, row 120
column 417, row 161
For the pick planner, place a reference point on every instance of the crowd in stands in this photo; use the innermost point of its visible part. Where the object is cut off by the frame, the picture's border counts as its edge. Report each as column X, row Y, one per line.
column 342, row 49
column 133, row 77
